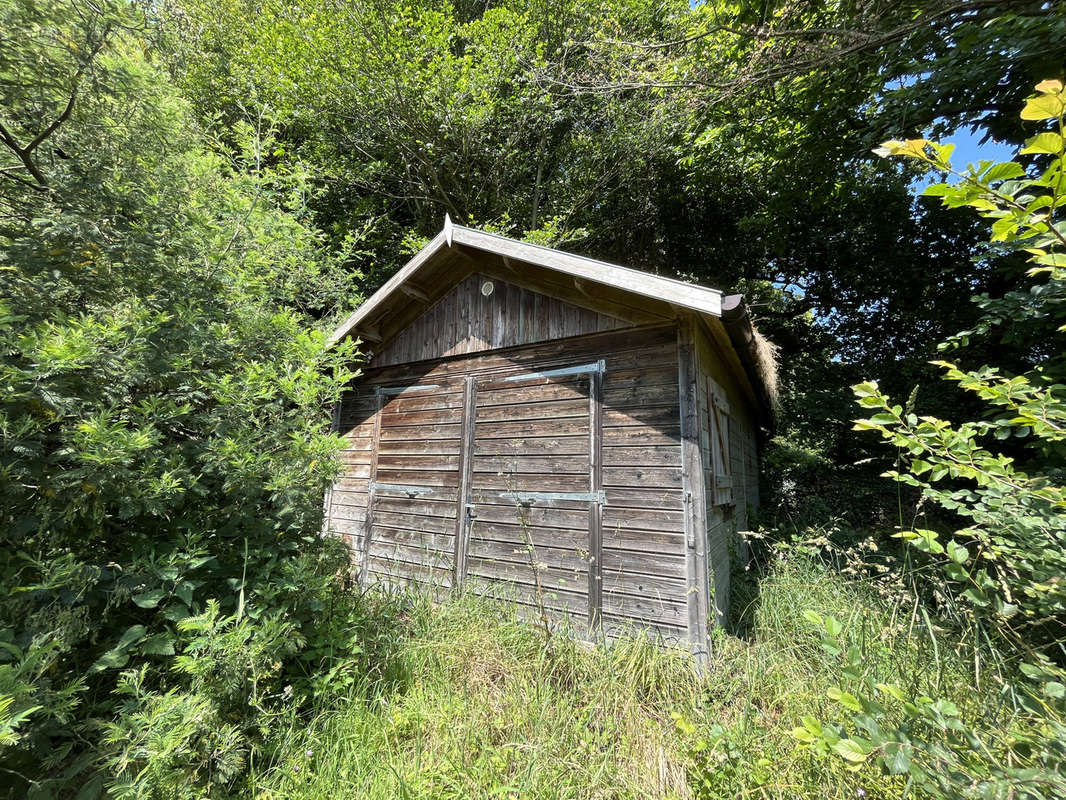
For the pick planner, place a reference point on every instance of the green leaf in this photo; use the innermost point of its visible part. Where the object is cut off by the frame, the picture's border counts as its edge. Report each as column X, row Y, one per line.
column 868, row 389
column 851, row 750
column 833, row 626
column 1042, row 107
column 117, row 656
column 939, row 190
column 803, row 735
column 159, row 644
column 149, row 599
column 957, row 552
column 1000, row 172
column 891, row 689
column 883, row 419
column 1049, row 142
column 1055, row 690
column 133, row 634
column 846, row 699
column 1051, row 259
column 812, row 725
column 897, row 758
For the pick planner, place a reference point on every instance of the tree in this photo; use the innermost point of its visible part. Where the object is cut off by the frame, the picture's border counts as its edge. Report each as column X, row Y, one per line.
column 162, row 422
column 543, row 120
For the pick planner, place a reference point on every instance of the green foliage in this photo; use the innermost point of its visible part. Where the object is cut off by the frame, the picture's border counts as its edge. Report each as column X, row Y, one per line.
column 646, row 133
column 163, row 448
column 1017, row 528
column 1000, row 577
column 478, row 703
column 942, row 749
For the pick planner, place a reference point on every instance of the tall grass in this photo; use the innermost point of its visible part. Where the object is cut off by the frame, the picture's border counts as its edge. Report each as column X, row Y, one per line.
column 481, row 704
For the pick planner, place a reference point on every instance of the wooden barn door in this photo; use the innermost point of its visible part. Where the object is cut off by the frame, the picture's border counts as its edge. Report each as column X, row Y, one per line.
column 412, row 510
column 533, row 490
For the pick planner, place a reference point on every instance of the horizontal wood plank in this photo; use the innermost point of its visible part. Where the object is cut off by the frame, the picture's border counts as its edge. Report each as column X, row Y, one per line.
column 649, row 519
column 440, row 505
column 626, row 565
column 628, row 349
column 637, row 584
column 521, row 556
column 645, row 416
column 404, row 432
column 340, row 497
column 557, row 410
column 530, row 482
column 418, row 447
column 657, row 610
column 663, row 455
column 635, row 540
column 635, row 436
column 410, row 477
column 666, row 477
column 436, row 462
column 414, row 522
column 576, row 426
column 639, row 498
column 539, row 515
column 556, row 465
column 641, row 395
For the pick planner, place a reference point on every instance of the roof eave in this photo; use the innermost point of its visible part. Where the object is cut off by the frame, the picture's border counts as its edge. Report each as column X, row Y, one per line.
column 684, row 295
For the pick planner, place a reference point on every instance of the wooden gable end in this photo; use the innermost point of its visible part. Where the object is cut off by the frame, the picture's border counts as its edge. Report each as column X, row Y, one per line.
column 467, row 320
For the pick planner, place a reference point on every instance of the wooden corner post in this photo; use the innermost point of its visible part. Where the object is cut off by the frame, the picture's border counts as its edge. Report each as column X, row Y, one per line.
column 694, row 492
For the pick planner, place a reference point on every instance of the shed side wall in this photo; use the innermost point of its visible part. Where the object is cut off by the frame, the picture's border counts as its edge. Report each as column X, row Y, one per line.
column 725, row 548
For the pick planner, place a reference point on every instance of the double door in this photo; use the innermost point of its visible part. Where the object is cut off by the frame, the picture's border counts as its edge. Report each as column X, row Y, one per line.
column 493, row 481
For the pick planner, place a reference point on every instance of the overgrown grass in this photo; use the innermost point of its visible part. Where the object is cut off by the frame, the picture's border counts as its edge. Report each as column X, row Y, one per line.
column 478, row 704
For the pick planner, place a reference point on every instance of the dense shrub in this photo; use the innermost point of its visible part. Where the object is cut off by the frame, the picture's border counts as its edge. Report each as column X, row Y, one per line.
column 999, row 579
column 162, row 422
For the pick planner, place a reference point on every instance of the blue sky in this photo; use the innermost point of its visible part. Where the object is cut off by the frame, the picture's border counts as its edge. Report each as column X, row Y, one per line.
column 968, row 148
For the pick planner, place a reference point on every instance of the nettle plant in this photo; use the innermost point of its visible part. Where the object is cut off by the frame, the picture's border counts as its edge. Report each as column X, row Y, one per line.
column 1003, row 575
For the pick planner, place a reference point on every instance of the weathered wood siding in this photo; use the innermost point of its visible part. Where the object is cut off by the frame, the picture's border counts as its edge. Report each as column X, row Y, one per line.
column 466, row 321
column 476, row 459
column 730, row 458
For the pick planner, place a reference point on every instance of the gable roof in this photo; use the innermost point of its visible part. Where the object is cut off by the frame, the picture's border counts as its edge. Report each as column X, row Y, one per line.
column 454, row 243
column 634, row 281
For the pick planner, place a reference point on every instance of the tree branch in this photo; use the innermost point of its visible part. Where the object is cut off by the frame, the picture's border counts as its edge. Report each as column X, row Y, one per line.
column 58, row 120
column 25, row 153
column 833, row 44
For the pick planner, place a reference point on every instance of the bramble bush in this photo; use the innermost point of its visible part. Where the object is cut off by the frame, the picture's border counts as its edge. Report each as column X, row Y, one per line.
column 1000, row 578
column 164, row 591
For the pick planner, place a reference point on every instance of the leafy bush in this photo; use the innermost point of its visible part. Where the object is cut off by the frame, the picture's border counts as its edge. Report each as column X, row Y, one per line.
column 1000, row 578
column 163, row 448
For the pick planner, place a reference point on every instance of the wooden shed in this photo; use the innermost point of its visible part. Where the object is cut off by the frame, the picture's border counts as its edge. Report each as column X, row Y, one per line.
column 574, row 435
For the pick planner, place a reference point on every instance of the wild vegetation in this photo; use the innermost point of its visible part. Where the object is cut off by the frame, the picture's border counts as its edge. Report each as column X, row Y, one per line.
column 192, row 193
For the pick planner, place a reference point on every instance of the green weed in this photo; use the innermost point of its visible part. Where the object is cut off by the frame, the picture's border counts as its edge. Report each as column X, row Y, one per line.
column 490, row 708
